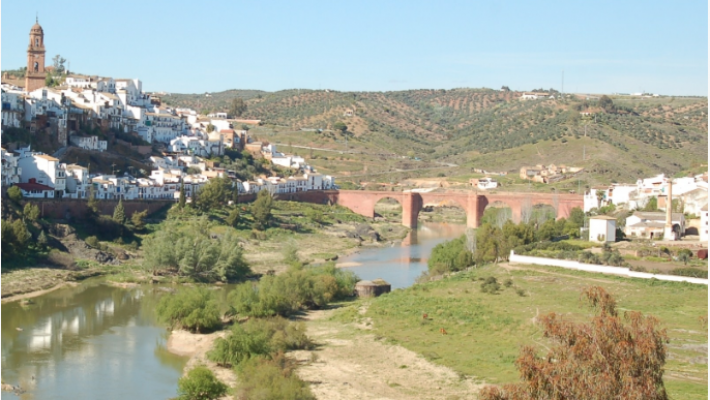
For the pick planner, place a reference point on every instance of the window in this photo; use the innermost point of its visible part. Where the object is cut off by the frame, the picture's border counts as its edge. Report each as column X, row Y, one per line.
column 36, row 42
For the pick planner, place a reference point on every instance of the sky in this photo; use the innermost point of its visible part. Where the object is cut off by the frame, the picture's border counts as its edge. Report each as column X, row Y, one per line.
column 209, row 46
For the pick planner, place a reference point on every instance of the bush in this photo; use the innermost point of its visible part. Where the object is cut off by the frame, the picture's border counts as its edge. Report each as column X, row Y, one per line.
column 490, row 285
column 194, row 309
column 273, row 379
column 200, row 384
column 93, row 242
column 259, row 337
column 14, row 193
column 299, row 288
column 691, row 272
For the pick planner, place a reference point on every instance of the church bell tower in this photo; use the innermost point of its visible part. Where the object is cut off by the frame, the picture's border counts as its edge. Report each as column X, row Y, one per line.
column 35, row 75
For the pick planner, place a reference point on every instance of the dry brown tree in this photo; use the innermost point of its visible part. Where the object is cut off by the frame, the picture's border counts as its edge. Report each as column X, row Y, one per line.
column 611, row 357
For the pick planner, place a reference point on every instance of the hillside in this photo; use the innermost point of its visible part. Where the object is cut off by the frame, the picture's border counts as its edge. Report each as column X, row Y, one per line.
column 481, row 128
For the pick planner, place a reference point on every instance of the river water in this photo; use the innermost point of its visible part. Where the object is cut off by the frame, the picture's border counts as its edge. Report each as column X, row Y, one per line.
column 92, row 341
column 401, row 264
column 96, row 341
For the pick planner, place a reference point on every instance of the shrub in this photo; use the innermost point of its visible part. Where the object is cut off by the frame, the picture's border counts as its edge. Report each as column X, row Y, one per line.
column 691, row 272
column 299, row 288
column 194, row 309
column 200, row 384
column 273, row 379
column 14, row 193
column 259, row 337
column 508, row 283
column 490, row 285
column 93, row 242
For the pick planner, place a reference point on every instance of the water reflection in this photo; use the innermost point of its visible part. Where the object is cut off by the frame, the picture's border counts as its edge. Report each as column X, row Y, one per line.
column 91, row 341
column 401, row 264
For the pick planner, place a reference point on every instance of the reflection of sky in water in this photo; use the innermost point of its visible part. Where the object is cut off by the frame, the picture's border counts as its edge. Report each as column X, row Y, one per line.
column 92, row 342
column 400, row 265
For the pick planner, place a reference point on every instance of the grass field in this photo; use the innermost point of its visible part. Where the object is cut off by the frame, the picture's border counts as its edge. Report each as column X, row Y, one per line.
column 485, row 331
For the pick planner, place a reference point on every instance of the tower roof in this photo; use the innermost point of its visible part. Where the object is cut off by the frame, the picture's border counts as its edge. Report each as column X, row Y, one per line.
column 37, row 28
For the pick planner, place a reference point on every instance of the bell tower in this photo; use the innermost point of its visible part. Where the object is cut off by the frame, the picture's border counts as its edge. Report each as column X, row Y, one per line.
column 35, row 75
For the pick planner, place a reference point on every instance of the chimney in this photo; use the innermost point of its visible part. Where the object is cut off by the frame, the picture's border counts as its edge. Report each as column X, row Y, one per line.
column 669, row 234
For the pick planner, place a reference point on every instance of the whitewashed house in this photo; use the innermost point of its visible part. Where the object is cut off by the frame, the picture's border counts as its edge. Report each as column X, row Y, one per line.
column 78, row 183
column 602, row 228
column 11, row 171
column 45, row 170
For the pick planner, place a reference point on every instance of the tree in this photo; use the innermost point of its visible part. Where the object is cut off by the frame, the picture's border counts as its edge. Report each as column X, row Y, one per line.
column 237, row 108
column 233, row 217
column 31, row 212
column 42, row 239
column 14, row 193
column 340, row 126
column 607, row 104
column 684, row 255
column 138, row 220
column 600, row 196
column 182, row 200
column 92, row 204
column 200, row 384
column 59, row 65
column 215, row 194
column 210, row 128
column 611, row 357
column 651, row 204
column 261, row 209
column 119, row 214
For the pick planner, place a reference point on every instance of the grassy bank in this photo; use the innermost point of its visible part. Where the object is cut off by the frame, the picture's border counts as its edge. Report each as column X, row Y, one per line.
column 486, row 331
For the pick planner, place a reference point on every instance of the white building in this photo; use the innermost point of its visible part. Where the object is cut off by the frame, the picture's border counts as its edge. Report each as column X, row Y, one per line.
column 602, row 228
column 45, row 170
column 652, row 224
column 78, row 183
column 13, row 108
column 35, row 190
column 88, row 142
column 11, row 172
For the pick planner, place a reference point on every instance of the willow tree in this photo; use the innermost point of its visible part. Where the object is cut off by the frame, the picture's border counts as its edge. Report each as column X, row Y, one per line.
column 611, row 357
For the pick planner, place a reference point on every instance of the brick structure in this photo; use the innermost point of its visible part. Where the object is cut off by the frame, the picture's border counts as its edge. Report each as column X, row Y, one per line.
column 363, row 203
column 35, row 75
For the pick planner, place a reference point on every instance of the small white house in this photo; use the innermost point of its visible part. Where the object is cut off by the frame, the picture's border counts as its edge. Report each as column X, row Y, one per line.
column 602, row 228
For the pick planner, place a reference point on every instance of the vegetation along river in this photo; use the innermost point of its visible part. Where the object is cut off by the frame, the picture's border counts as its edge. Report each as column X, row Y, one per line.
column 96, row 341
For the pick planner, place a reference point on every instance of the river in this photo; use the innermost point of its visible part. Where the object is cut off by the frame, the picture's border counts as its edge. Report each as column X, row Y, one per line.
column 93, row 341
column 401, row 263
column 96, row 341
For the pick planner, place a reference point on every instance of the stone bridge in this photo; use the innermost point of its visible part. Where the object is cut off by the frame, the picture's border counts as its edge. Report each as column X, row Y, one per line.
column 473, row 203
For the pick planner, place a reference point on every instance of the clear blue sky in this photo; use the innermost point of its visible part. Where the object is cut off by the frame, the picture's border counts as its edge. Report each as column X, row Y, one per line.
column 208, row 46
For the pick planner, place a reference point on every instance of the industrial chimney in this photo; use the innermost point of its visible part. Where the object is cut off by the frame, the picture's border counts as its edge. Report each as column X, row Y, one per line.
column 668, row 233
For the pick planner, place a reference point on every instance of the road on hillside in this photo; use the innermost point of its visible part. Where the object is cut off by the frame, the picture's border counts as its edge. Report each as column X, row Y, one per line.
column 337, row 151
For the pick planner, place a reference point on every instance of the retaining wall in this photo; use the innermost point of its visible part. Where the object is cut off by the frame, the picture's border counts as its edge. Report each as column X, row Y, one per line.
column 604, row 269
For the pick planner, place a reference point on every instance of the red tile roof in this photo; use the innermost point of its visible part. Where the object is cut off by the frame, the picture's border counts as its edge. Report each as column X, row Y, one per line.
column 27, row 187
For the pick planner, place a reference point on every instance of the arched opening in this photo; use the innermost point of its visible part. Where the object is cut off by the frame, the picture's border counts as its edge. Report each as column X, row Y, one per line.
column 538, row 213
column 389, row 210
column 448, row 211
column 496, row 214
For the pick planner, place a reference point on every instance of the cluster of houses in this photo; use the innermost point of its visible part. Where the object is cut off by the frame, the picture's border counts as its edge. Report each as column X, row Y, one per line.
column 119, row 104
column 39, row 175
column 689, row 194
column 548, row 174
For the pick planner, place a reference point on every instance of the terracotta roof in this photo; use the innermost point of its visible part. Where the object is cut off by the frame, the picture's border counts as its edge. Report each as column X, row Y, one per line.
column 46, row 157
column 33, row 186
column 606, row 217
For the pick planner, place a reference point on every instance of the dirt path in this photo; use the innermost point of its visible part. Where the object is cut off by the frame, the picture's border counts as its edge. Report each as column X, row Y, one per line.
column 352, row 363
column 196, row 346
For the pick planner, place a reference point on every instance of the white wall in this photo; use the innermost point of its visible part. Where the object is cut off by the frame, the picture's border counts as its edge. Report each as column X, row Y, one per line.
column 604, row 269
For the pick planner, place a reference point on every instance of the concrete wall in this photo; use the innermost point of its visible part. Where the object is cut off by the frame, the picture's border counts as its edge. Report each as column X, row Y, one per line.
column 604, row 269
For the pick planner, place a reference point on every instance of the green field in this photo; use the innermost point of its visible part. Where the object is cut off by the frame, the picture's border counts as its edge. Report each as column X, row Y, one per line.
column 486, row 331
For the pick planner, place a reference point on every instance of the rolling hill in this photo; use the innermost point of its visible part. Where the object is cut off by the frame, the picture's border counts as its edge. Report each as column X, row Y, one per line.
column 484, row 128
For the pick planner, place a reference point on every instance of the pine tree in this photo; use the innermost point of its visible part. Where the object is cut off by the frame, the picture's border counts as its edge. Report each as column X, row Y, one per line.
column 119, row 214
column 182, row 201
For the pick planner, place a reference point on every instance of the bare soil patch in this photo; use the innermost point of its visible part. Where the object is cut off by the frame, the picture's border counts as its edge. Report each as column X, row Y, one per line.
column 352, row 363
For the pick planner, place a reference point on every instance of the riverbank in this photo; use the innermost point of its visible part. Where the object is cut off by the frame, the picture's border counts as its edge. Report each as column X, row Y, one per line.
column 32, row 282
